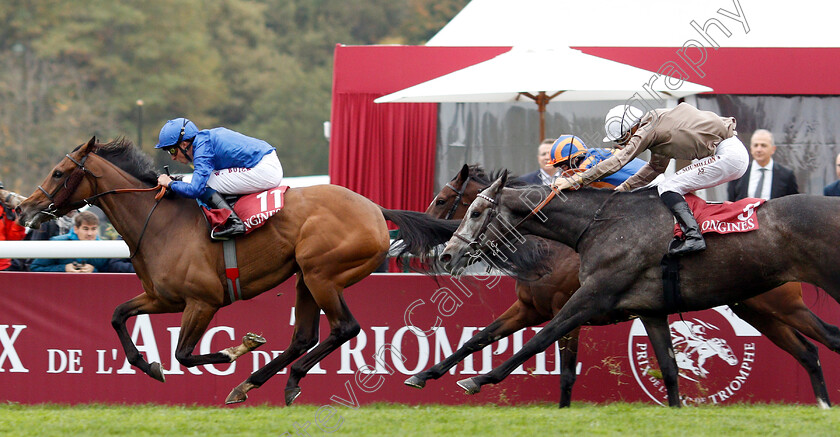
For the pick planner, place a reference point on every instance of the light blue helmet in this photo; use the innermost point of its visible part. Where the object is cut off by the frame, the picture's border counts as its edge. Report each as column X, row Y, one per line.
column 175, row 131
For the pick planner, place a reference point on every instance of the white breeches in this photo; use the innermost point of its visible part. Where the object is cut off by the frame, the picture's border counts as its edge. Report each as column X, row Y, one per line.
column 268, row 173
column 729, row 162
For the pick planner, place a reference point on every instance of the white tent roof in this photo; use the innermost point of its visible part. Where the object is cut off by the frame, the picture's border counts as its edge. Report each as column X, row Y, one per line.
column 572, row 73
column 651, row 23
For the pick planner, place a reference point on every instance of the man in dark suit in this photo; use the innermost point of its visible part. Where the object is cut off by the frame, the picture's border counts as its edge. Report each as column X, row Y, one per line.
column 765, row 178
column 833, row 189
column 546, row 173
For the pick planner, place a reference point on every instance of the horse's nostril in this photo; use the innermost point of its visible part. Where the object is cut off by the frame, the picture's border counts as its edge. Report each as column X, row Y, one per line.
column 445, row 257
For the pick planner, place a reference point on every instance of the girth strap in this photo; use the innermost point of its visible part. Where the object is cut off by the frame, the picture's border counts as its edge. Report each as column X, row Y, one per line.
column 232, row 270
column 671, row 284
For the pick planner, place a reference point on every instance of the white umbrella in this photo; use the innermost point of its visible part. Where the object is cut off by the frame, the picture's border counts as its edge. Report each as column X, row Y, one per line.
column 544, row 75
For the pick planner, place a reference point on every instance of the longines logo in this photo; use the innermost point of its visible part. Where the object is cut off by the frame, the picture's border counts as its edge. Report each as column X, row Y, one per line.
column 715, row 357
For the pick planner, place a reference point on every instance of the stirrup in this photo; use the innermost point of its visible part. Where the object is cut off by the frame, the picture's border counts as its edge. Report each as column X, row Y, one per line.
column 683, row 247
column 226, row 233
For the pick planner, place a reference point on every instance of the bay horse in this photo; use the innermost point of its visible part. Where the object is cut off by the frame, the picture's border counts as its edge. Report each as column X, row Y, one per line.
column 778, row 313
column 620, row 238
column 328, row 235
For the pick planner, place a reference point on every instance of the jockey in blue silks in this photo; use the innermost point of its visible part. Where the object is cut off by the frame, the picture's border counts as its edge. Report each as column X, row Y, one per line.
column 569, row 152
column 224, row 162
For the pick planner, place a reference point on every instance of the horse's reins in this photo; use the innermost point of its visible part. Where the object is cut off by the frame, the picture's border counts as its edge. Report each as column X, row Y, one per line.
column 52, row 209
column 594, row 219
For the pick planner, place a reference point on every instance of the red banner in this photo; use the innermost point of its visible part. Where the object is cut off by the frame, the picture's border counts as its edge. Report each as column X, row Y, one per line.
column 57, row 345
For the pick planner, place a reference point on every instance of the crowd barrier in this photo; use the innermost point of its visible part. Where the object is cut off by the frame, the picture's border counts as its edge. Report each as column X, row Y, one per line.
column 57, row 345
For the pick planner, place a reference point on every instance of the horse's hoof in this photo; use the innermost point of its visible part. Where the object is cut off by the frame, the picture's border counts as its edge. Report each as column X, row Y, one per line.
column 156, row 372
column 470, row 386
column 239, row 393
column 415, row 382
column 253, row 341
column 291, row 395
column 236, row 396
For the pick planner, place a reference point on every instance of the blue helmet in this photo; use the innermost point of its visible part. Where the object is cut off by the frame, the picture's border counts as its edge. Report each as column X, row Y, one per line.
column 175, row 131
column 566, row 148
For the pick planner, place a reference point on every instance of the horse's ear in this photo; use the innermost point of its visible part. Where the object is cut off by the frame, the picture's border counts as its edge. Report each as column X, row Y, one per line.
column 465, row 173
column 91, row 144
column 497, row 185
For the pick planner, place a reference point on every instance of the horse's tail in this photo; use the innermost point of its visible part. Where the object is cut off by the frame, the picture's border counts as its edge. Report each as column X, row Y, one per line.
column 420, row 232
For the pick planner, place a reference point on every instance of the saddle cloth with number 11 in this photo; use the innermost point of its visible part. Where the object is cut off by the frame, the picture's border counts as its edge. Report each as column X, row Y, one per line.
column 254, row 209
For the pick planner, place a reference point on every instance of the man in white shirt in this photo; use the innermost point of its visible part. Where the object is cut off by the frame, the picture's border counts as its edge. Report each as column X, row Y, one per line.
column 765, row 178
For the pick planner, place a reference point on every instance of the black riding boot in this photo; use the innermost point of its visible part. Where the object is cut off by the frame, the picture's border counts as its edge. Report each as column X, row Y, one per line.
column 232, row 227
column 693, row 241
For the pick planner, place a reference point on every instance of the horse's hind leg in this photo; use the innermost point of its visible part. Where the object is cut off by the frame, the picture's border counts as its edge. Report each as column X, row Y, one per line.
column 785, row 304
column 142, row 304
column 343, row 327
column 791, row 342
column 660, row 338
column 305, row 336
column 568, row 366
column 518, row 316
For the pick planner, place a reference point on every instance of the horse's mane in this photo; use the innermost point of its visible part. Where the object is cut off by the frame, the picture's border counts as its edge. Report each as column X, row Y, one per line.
column 122, row 153
column 479, row 174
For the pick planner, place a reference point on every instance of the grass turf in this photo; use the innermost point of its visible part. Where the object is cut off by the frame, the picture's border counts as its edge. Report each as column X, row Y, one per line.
column 403, row 420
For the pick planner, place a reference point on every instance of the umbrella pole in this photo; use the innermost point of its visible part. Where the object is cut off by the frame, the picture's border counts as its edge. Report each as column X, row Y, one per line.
column 542, row 100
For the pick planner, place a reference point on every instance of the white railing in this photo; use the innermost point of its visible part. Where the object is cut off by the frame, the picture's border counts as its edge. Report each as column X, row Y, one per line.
column 64, row 249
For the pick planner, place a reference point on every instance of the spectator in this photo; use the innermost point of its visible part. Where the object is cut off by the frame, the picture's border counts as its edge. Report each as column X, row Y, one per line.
column 9, row 230
column 833, row 189
column 546, row 173
column 765, row 178
column 85, row 228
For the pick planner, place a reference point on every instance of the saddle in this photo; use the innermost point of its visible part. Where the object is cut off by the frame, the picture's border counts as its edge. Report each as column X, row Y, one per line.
column 722, row 218
column 253, row 209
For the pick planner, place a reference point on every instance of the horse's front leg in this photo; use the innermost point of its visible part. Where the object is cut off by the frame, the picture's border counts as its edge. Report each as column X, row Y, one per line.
column 142, row 304
column 196, row 318
column 582, row 307
column 518, row 316
column 568, row 366
column 660, row 338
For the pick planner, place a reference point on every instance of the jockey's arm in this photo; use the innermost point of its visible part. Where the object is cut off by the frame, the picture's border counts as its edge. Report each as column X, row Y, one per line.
column 614, row 163
column 201, row 173
column 649, row 172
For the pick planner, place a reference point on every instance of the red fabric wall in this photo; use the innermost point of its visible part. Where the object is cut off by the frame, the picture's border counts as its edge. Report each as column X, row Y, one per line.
column 386, row 152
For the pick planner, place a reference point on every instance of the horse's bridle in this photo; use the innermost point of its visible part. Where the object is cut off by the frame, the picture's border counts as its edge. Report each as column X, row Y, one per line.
column 52, row 209
column 474, row 244
column 71, row 186
column 458, row 198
